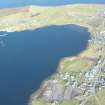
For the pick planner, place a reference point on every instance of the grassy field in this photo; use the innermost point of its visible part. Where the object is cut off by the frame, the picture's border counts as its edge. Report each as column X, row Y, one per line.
column 19, row 19
column 98, row 99
column 82, row 62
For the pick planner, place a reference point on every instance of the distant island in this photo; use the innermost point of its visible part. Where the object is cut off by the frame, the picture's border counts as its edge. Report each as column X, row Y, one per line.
column 80, row 80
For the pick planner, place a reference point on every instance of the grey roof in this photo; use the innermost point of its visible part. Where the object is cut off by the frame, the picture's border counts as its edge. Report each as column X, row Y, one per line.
column 57, row 91
column 71, row 93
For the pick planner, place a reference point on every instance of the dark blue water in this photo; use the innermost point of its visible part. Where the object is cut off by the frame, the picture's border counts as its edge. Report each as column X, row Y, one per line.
column 29, row 57
column 14, row 3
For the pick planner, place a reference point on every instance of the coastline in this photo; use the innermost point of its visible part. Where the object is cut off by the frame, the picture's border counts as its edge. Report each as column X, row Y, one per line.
column 33, row 100
column 46, row 81
column 33, row 21
column 33, row 97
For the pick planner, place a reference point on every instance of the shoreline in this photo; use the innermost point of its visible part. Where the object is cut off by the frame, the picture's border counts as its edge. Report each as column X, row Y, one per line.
column 47, row 80
column 33, row 97
column 77, row 14
column 37, row 93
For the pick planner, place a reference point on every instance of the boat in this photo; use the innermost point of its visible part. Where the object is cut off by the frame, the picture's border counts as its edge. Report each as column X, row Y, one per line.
column 3, row 35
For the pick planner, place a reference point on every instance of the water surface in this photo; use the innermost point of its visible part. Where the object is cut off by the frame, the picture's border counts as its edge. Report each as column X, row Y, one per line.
column 29, row 57
column 15, row 3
